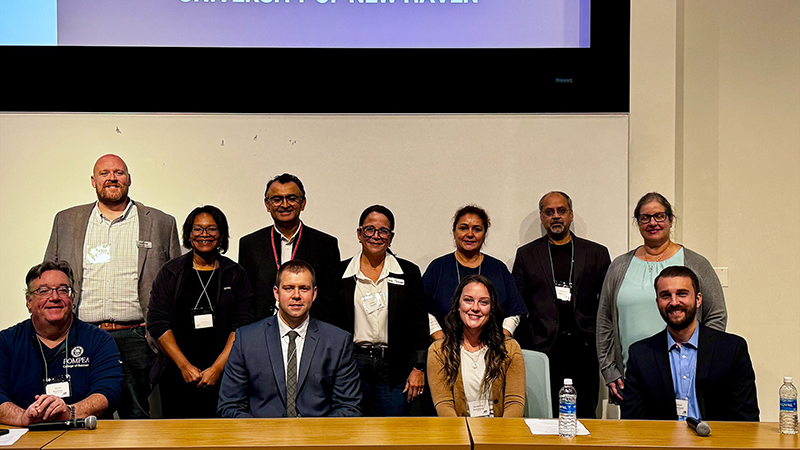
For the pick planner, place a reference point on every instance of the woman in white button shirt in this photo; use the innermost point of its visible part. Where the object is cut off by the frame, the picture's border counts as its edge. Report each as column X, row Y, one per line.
column 379, row 299
column 476, row 370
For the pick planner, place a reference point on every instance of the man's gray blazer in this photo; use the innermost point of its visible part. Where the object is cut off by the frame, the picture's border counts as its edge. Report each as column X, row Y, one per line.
column 155, row 227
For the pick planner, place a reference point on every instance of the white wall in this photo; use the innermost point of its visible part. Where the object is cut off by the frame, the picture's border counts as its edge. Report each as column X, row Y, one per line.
column 421, row 167
column 715, row 125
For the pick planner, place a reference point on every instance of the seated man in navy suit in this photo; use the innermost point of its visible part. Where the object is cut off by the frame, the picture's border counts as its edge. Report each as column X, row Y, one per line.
column 290, row 364
column 688, row 370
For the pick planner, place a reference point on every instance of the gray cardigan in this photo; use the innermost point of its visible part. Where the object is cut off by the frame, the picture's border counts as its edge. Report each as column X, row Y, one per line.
column 713, row 313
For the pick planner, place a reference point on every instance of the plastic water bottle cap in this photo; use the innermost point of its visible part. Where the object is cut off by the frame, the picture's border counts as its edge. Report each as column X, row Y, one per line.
column 785, row 379
column 569, row 381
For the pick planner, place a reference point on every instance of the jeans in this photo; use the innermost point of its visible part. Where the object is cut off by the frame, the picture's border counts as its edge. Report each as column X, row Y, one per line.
column 380, row 398
column 137, row 359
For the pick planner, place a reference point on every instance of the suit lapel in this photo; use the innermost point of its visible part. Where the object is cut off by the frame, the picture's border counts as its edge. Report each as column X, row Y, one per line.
column 78, row 243
column 543, row 258
column 662, row 364
column 145, row 229
column 272, row 335
column 577, row 272
column 276, row 239
column 309, row 347
column 395, row 293
column 706, row 344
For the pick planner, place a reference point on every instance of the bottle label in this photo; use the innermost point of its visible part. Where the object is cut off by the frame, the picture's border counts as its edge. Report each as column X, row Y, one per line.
column 567, row 408
column 789, row 405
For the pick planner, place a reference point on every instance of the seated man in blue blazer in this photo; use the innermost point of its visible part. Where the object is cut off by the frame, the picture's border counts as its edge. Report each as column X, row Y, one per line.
column 688, row 370
column 290, row 364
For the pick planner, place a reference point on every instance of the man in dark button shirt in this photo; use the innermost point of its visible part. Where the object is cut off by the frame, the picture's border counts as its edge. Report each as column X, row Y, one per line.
column 53, row 366
column 560, row 277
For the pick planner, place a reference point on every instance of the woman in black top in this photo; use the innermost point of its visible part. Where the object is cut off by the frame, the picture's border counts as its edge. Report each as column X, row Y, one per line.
column 198, row 301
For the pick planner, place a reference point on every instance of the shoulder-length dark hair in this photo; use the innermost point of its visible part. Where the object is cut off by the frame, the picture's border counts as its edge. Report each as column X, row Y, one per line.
column 491, row 335
column 219, row 218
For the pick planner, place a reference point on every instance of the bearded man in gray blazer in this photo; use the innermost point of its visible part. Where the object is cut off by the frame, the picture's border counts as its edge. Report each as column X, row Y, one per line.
column 116, row 247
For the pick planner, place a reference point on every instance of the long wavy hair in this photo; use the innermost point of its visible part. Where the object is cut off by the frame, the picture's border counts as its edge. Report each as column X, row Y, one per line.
column 491, row 336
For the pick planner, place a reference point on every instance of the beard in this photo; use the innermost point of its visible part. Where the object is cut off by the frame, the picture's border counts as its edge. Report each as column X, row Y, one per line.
column 689, row 316
column 110, row 198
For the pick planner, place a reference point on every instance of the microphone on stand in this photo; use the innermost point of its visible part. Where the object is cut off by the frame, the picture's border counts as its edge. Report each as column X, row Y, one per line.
column 699, row 427
column 89, row 423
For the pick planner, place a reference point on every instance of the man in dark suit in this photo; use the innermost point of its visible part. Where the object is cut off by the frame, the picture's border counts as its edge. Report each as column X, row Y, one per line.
column 116, row 247
column 559, row 276
column 688, row 370
column 262, row 252
column 291, row 365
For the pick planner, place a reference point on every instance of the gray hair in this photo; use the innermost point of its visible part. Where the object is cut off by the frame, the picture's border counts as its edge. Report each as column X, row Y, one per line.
column 563, row 194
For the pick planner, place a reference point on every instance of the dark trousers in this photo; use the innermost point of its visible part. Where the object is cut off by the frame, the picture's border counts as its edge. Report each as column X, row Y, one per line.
column 137, row 359
column 380, row 398
column 571, row 357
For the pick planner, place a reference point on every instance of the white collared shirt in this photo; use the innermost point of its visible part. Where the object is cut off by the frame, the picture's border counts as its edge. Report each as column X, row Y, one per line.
column 299, row 341
column 371, row 328
column 110, row 288
column 287, row 246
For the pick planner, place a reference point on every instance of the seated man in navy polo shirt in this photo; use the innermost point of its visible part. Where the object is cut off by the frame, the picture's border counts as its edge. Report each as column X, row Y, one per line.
column 53, row 366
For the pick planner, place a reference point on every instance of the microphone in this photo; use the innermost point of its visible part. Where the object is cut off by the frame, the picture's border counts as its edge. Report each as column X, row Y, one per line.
column 699, row 427
column 89, row 423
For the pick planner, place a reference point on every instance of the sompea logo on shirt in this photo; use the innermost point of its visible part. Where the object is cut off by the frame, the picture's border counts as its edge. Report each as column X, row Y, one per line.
column 77, row 359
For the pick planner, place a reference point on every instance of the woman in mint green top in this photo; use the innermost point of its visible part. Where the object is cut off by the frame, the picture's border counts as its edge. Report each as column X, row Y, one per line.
column 628, row 311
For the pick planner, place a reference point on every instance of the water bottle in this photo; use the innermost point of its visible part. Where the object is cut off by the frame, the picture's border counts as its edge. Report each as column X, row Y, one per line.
column 567, row 408
column 788, row 414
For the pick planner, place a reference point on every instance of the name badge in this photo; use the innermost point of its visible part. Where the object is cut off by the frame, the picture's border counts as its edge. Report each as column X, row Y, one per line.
column 144, row 244
column 203, row 321
column 564, row 293
column 397, row 281
column 373, row 302
column 479, row 408
column 59, row 386
column 682, row 407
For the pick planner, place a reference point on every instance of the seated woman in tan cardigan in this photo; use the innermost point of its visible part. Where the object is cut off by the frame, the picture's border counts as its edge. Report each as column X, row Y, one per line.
column 476, row 370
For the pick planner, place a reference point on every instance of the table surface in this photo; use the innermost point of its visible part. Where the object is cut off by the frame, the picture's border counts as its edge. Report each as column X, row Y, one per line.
column 34, row 439
column 640, row 434
column 410, row 433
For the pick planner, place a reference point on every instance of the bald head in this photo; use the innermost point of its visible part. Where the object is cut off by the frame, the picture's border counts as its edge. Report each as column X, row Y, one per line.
column 111, row 180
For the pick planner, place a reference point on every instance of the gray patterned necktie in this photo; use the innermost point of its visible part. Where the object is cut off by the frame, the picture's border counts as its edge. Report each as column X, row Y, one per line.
column 291, row 376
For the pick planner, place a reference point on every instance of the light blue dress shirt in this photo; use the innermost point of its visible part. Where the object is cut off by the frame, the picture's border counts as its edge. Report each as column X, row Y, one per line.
column 683, row 363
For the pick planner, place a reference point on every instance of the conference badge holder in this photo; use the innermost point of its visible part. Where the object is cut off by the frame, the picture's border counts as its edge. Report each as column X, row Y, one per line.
column 563, row 291
column 203, row 318
column 373, row 302
column 60, row 386
column 479, row 408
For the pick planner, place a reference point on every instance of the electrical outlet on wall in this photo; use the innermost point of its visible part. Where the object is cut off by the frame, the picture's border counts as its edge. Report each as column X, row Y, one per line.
column 722, row 273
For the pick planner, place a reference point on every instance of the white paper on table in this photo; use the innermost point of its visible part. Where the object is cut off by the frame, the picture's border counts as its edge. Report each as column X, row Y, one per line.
column 550, row 426
column 13, row 435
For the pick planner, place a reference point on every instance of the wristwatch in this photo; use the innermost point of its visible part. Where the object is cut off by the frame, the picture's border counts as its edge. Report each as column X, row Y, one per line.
column 71, row 413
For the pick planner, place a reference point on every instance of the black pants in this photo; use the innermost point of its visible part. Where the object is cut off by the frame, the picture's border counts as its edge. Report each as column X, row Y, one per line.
column 572, row 357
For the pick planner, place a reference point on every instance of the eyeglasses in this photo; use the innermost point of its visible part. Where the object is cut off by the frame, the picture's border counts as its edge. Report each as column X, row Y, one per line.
column 370, row 231
column 550, row 212
column 659, row 217
column 44, row 291
column 277, row 200
column 212, row 230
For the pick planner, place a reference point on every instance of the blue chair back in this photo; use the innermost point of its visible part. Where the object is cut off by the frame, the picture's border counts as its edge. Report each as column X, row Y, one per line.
column 537, row 385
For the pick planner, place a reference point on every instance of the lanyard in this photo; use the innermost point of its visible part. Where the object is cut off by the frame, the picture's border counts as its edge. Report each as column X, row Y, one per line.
column 296, row 244
column 458, row 272
column 66, row 353
column 571, row 263
column 205, row 286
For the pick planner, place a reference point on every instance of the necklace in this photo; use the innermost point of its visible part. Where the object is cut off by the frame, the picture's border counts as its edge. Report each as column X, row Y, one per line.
column 658, row 258
column 475, row 356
